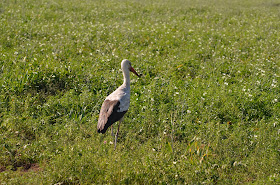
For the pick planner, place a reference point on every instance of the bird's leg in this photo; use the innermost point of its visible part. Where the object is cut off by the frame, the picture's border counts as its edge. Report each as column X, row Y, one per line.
column 112, row 132
column 116, row 136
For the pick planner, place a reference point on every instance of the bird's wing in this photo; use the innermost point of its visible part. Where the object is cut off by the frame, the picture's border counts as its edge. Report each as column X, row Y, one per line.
column 108, row 115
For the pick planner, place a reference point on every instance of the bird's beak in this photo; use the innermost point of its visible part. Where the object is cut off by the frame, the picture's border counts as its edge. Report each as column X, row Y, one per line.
column 132, row 70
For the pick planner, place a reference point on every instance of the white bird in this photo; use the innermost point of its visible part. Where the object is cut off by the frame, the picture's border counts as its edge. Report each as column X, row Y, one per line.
column 117, row 103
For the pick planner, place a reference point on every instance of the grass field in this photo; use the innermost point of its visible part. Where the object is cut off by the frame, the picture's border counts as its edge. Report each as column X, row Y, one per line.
column 205, row 111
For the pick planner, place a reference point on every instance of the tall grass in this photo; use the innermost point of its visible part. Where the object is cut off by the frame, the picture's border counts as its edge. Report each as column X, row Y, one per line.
column 205, row 111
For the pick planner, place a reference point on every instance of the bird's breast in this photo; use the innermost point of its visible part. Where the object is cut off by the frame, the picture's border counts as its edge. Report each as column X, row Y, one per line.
column 124, row 103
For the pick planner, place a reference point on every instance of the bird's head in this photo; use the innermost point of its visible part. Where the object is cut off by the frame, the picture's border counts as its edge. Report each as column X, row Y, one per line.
column 126, row 65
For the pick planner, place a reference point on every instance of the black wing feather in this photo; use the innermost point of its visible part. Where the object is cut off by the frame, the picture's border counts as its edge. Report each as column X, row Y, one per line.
column 108, row 115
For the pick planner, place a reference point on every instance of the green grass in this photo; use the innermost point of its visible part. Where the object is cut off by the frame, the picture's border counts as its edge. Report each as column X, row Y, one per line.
column 205, row 111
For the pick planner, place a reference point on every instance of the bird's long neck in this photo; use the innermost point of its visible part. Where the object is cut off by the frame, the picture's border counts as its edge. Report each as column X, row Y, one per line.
column 126, row 79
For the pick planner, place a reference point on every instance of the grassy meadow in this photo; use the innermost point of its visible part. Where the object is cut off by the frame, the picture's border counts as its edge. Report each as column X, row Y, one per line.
column 205, row 111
